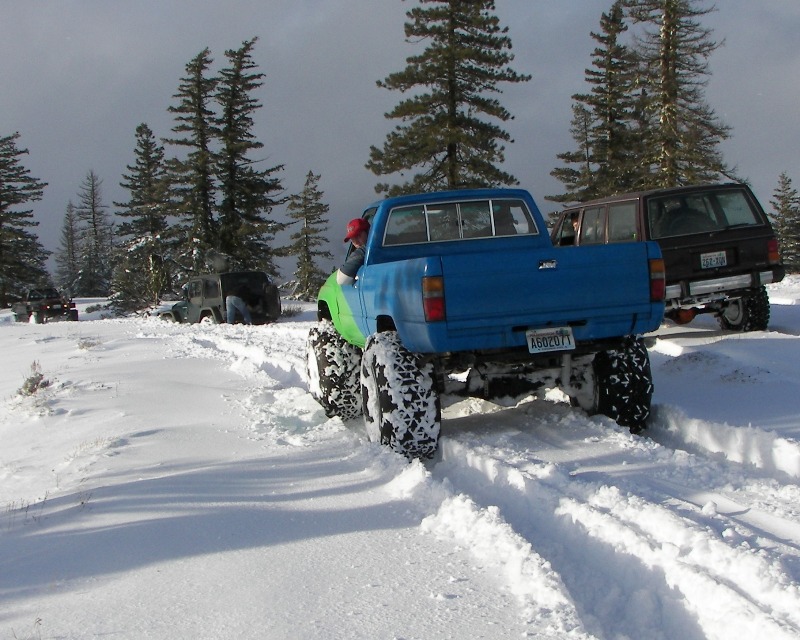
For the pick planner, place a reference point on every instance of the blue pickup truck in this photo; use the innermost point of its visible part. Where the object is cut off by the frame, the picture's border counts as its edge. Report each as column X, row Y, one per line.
column 464, row 292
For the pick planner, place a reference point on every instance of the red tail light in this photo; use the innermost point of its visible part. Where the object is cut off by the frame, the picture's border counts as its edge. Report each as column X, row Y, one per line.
column 773, row 253
column 433, row 298
column 658, row 282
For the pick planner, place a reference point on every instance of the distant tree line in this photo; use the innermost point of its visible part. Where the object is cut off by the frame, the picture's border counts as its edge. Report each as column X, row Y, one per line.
column 202, row 199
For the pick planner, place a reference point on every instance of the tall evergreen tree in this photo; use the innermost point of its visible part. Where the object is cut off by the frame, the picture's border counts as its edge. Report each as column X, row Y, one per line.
column 192, row 177
column 142, row 266
column 67, row 256
column 22, row 257
column 578, row 177
column 602, row 119
column 310, row 211
column 95, row 239
column 247, row 194
column 685, row 133
column 449, row 131
column 786, row 203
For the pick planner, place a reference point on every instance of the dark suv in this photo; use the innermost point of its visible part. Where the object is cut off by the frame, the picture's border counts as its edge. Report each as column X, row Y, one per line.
column 718, row 245
column 204, row 297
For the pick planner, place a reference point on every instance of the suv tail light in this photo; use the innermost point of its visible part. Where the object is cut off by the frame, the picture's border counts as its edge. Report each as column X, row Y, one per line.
column 773, row 254
column 658, row 282
column 433, row 298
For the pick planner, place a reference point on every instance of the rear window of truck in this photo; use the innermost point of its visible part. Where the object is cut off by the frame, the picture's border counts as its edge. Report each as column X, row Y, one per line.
column 458, row 221
column 686, row 214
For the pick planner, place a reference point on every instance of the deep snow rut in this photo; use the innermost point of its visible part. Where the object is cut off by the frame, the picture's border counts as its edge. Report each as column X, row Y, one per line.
column 636, row 560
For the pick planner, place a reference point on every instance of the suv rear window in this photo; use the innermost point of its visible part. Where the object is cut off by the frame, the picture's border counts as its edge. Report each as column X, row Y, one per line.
column 678, row 215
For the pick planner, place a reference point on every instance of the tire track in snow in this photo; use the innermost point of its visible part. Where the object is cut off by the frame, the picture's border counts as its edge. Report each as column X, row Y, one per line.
column 620, row 551
column 271, row 361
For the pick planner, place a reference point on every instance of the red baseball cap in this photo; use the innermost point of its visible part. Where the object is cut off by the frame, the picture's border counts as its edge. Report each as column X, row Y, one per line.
column 354, row 227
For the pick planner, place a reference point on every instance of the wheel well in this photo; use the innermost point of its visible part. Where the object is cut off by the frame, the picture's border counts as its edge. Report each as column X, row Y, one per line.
column 323, row 312
column 385, row 323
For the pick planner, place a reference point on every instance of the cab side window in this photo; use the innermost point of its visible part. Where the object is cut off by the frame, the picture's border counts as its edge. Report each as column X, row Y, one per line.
column 195, row 290
column 443, row 222
column 622, row 222
column 406, row 225
column 593, row 226
column 566, row 233
column 476, row 219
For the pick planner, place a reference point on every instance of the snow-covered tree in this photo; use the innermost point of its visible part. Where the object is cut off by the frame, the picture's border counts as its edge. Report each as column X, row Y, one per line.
column 67, row 255
column 449, row 132
column 22, row 257
column 308, row 209
column 604, row 162
column 247, row 194
column 192, row 176
column 94, row 240
column 786, row 203
column 683, row 133
column 142, row 270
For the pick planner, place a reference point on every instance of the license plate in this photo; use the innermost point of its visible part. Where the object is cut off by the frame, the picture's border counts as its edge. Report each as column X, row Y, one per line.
column 543, row 340
column 713, row 260
column 56, row 306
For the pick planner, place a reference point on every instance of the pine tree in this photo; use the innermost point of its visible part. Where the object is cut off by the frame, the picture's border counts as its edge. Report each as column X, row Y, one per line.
column 192, row 177
column 142, row 265
column 577, row 178
column 67, row 256
column 22, row 257
column 685, row 133
column 94, row 241
column 786, row 204
column 602, row 119
column 247, row 194
column 449, row 131
column 310, row 211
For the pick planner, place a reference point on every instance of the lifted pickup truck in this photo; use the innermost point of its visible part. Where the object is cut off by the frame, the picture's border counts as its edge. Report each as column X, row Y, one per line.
column 204, row 298
column 719, row 248
column 463, row 292
column 44, row 303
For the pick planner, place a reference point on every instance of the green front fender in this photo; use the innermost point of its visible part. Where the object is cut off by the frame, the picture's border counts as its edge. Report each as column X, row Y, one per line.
column 344, row 306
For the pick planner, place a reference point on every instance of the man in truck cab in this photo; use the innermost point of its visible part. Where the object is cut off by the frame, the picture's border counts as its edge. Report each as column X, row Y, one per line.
column 357, row 232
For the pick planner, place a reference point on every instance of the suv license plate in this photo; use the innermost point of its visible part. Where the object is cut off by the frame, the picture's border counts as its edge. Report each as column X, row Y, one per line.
column 713, row 260
column 543, row 340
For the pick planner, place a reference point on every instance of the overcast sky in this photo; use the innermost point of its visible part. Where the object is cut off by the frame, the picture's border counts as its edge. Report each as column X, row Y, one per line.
column 78, row 76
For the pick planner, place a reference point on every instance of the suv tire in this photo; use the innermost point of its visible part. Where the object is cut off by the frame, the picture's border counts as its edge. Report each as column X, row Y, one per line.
column 748, row 313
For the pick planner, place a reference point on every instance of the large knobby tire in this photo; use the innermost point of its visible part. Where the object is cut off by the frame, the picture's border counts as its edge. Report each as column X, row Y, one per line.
column 332, row 367
column 749, row 313
column 401, row 403
column 623, row 384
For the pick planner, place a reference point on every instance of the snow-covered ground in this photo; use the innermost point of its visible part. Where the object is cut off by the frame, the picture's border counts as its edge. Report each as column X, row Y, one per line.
column 172, row 481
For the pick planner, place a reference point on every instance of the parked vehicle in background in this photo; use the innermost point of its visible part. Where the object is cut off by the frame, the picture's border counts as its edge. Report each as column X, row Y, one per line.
column 43, row 304
column 462, row 292
column 204, row 298
column 718, row 245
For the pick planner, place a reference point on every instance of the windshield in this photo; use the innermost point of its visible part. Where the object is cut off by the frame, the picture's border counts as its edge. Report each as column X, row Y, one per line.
column 42, row 294
column 699, row 212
